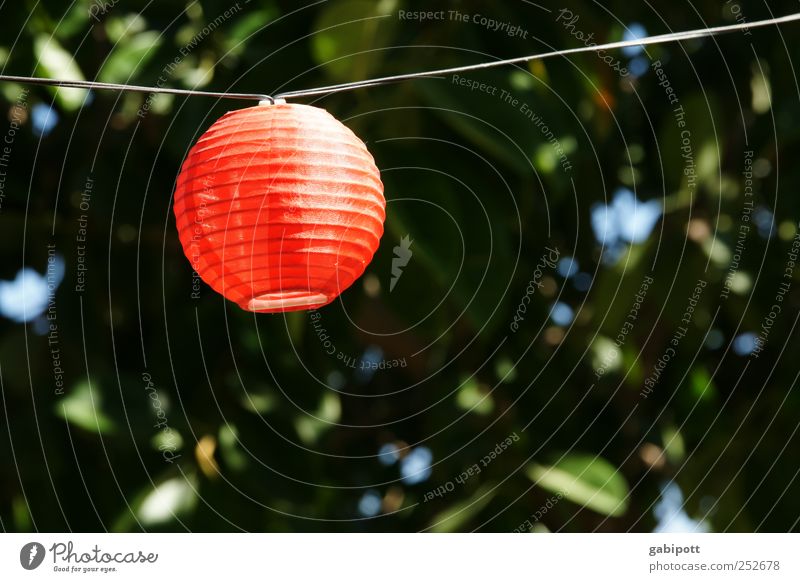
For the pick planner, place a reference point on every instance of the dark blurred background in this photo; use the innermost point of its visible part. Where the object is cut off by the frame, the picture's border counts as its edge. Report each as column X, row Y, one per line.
column 583, row 334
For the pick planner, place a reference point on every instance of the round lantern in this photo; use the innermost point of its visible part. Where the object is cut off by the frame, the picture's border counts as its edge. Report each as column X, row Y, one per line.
column 279, row 207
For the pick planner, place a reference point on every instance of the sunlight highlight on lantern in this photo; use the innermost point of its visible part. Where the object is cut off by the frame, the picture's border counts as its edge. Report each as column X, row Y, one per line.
column 279, row 207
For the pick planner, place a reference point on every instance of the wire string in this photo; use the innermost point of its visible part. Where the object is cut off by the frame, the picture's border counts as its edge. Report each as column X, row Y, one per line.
column 135, row 88
column 327, row 90
column 659, row 39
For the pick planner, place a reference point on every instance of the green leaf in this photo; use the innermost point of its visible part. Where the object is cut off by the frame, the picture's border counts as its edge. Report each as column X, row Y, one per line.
column 73, row 22
column 21, row 515
column 81, row 407
column 702, row 385
column 129, row 56
column 56, row 63
column 547, row 159
column 349, row 27
column 121, row 27
column 673, row 444
column 456, row 516
column 311, row 427
column 163, row 440
column 702, row 148
column 237, row 38
column 505, row 369
column 197, row 71
column 586, row 480
column 229, row 447
column 605, row 355
column 474, row 397
column 330, row 408
column 761, row 87
column 169, row 499
column 259, row 400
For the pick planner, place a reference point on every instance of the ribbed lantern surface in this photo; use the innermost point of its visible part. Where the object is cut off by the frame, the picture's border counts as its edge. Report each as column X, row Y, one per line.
column 279, row 207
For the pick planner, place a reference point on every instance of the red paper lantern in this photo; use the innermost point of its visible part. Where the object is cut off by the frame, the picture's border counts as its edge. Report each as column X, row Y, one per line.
column 279, row 207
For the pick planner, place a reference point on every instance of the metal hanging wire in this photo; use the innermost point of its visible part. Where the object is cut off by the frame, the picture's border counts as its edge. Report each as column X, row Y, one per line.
column 327, row 90
column 658, row 39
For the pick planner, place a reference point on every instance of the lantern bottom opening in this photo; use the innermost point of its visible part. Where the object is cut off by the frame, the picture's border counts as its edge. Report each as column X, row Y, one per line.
column 286, row 301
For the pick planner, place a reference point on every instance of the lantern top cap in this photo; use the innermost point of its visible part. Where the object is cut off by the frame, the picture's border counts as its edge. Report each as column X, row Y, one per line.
column 272, row 101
